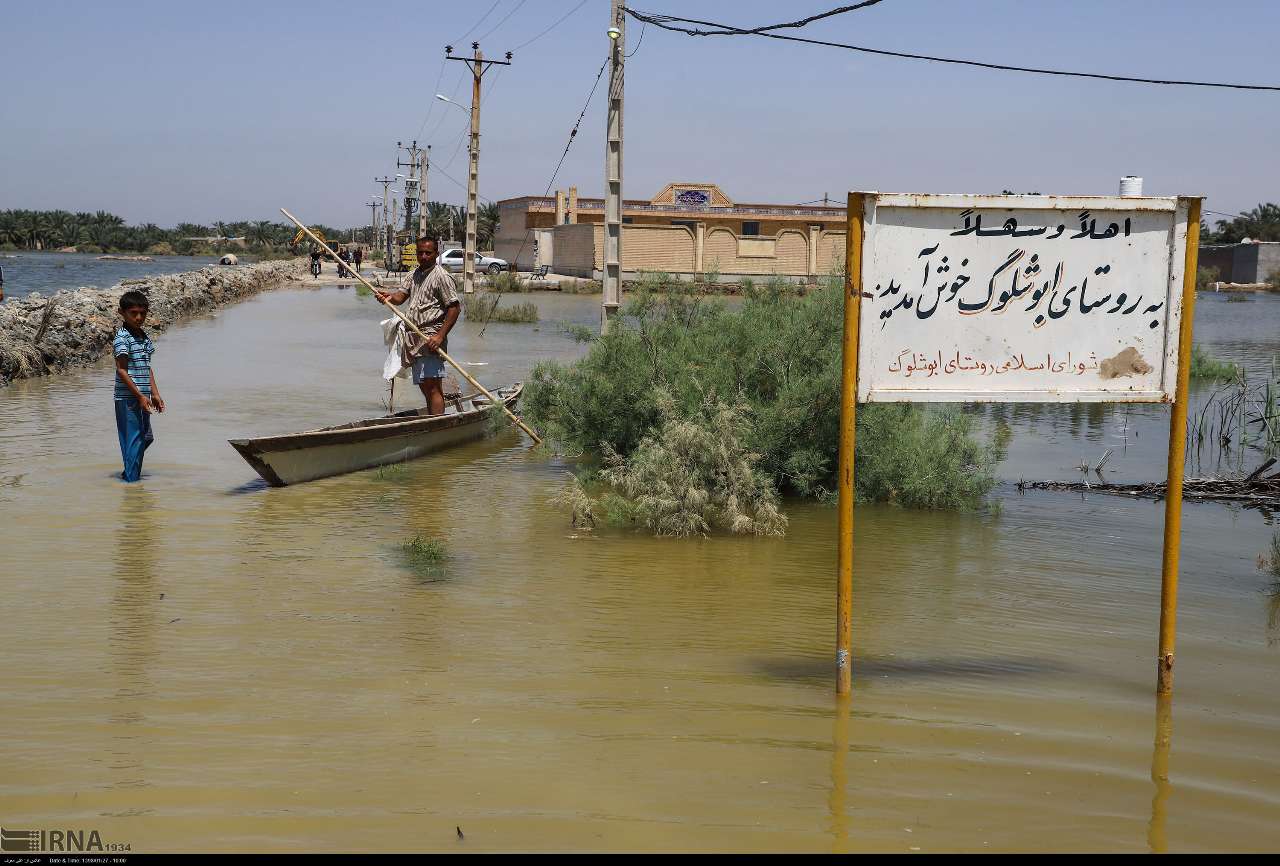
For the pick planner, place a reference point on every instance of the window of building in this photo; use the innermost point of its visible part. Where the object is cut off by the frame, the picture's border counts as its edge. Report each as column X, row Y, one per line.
column 750, row 228
column 626, row 221
column 688, row 223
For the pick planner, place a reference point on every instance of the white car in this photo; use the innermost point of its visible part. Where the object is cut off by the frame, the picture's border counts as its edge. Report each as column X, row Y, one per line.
column 454, row 257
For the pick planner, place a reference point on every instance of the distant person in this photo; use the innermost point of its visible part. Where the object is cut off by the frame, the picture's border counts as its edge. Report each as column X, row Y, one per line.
column 433, row 308
column 315, row 263
column 359, row 258
column 343, row 258
column 136, row 392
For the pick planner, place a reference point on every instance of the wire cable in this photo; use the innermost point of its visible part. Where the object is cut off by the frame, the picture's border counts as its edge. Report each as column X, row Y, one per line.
column 482, row 37
column 558, row 22
column 663, row 22
column 733, row 31
column 573, row 134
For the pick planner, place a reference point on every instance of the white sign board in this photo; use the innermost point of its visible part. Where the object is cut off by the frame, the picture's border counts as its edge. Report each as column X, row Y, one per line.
column 1020, row 298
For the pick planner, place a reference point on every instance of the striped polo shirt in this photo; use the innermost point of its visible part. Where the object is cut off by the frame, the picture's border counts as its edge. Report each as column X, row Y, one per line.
column 139, row 369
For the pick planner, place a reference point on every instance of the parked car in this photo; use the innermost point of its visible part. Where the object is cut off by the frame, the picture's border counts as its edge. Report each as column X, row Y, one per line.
column 453, row 259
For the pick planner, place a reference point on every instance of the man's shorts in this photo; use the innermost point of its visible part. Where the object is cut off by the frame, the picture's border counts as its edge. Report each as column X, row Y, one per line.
column 428, row 367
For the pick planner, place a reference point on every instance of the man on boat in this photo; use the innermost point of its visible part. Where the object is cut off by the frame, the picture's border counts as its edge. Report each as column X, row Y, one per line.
column 433, row 308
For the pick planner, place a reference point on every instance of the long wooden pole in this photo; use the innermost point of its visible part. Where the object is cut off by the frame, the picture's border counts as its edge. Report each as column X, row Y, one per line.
column 1177, row 456
column 481, row 388
column 848, row 423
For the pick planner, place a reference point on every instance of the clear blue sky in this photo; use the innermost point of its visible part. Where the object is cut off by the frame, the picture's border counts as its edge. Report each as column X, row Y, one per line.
column 173, row 111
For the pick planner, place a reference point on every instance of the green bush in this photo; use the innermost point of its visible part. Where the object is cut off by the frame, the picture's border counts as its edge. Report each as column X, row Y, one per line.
column 1205, row 367
column 164, row 248
column 1205, row 277
column 776, row 359
column 485, row 308
column 1273, row 280
column 506, row 283
column 581, row 287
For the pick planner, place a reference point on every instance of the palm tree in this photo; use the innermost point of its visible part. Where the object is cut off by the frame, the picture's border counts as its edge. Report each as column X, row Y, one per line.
column 101, row 234
column 64, row 229
column 439, row 218
column 108, row 219
column 9, row 231
column 486, row 225
column 263, row 232
column 35, row 228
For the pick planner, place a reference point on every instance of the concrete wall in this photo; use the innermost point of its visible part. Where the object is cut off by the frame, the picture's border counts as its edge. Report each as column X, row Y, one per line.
column 1242, row 263
column 574, row 250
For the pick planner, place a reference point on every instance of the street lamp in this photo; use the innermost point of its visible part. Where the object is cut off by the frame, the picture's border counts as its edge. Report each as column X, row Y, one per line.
column 614, row 33
column 443, row 98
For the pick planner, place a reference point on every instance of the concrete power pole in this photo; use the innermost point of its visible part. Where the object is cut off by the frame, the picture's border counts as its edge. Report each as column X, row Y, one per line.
column 373, row 223
column 478, row 65
column 613, row 170
column 422, row 208
column 384, row 240
column 412, row 184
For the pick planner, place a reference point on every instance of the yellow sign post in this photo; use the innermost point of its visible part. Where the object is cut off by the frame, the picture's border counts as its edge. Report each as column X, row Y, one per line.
column 1023, row 309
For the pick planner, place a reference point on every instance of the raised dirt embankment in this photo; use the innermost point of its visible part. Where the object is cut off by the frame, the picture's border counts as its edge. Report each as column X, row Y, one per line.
column 73, row 327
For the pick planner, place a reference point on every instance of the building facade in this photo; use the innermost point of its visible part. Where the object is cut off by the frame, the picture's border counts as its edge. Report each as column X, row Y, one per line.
column 687, row 229
column 1250, row 262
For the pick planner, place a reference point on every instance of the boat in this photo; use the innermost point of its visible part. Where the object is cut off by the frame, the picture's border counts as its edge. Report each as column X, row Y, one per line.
column 296, row 457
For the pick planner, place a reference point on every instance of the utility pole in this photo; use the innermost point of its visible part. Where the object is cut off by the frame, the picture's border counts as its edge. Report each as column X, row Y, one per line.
column 422, row 211
column 373, row 223
column 411, row 183
column 613, row 170
column 385, row 242
column 478, row 65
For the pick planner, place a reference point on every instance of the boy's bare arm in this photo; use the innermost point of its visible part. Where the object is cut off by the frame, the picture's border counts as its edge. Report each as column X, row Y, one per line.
column 122, row 370
column 156, row 399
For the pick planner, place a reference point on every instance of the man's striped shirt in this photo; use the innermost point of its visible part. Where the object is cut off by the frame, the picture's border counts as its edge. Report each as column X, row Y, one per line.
column 139, row 353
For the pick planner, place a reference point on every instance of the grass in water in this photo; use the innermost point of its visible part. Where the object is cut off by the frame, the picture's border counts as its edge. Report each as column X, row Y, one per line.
column 506, row 283
column 481, row 308
column 391, row 472
column 1269, row 562
column 425, row 555
column 581, row 287
column 1205, row 367
column 362, row 291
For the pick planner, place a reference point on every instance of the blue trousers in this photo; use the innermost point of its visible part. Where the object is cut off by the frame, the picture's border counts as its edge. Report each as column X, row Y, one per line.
column 134, row 427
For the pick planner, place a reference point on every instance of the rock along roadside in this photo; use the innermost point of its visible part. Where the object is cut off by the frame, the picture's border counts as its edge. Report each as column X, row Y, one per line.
column 74, row 327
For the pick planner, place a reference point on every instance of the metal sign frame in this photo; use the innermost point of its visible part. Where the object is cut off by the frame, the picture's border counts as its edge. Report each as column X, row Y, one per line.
column 1185, row 238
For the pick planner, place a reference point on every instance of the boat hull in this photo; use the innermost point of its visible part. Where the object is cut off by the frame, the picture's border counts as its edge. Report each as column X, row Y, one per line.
column 295, row 458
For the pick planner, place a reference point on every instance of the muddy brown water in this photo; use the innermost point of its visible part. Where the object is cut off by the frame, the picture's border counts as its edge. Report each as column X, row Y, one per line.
column 200, row 663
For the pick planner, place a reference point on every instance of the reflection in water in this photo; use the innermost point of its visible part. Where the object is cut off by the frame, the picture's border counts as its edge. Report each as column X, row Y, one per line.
column 1157, row 840
column 836, row 807
column 133, row 630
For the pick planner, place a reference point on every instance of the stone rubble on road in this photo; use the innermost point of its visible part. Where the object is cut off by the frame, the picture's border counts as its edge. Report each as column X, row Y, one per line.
column 74, row 327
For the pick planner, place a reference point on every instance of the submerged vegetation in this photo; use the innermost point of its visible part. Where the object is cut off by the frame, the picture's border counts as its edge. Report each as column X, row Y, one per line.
column 1205, row 367
column 702, row 415
column 425, row 555
column 1269, row 562
column 485, row 308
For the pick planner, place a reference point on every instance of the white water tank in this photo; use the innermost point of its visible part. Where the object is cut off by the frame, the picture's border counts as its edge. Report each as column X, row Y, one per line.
column 1130, row 185
column 229, row 259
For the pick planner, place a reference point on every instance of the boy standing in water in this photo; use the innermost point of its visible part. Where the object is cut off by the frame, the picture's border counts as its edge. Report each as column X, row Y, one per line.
column 136, row 393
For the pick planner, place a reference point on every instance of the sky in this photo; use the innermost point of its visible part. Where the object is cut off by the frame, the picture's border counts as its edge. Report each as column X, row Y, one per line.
column 172, row 111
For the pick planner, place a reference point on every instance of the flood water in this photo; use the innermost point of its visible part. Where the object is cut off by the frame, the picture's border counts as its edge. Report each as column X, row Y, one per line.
column 201, row 663
column 29, row 271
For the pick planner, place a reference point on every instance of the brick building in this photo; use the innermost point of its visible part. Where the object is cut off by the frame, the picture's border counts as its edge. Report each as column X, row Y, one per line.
column 687, row 228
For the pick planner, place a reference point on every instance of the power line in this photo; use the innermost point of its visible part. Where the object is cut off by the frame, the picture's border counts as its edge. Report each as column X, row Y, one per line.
column 440, row 75
column 482, row 37
column 573, row 134
column 733, row 31
column 638, row 41
column 481, row 21
column 663, row 22
column 558, row 22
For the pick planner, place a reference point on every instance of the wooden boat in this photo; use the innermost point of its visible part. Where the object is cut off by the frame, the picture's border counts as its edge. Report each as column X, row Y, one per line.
column 297, row 457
